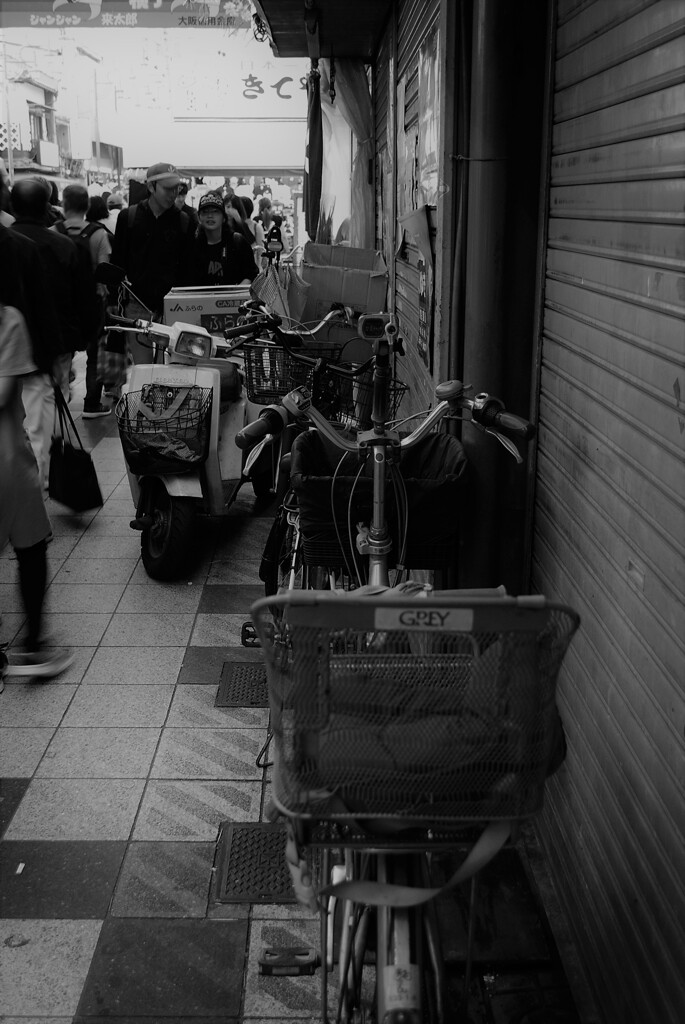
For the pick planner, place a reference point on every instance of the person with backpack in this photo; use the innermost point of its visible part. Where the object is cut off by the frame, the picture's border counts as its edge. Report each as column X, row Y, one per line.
column 94, row 238
column 69, row 293
column 153, row 243
column 221, row 255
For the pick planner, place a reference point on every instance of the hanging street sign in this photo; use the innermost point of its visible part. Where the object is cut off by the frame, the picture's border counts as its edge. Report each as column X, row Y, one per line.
column 222, row 14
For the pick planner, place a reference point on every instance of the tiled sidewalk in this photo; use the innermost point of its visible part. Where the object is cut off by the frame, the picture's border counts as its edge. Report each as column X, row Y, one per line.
column 116, row 776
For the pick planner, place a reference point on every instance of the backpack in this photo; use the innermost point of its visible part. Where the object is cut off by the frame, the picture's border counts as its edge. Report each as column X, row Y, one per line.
column 91, row 316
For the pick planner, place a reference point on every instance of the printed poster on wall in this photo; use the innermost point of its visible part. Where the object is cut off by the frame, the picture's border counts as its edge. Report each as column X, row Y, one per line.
column 429, row 127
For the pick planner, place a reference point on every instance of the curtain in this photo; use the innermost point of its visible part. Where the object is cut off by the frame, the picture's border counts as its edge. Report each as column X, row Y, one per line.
column 313, row 161
column 354, row 102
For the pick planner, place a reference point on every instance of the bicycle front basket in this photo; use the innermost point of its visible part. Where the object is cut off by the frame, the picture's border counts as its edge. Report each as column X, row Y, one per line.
column 164, row 428
column 271, row 372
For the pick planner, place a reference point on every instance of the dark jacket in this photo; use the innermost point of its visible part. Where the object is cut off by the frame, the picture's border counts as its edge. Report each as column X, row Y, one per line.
column 68, row 280
column 229, row 261
column 154, row 251
column 23, row 285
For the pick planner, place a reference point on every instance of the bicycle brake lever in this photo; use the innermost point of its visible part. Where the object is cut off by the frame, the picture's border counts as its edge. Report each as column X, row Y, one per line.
column 506, row 443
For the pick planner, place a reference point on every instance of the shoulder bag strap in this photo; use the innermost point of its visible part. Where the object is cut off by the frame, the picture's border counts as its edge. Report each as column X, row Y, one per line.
column 66, row 421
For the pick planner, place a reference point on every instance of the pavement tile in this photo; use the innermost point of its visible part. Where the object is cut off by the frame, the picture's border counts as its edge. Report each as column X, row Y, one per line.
column 235, row 571
column 97, row 546
column 99, row 754
column 194, row 706
column 119, row 705
column 76, row 630
column 10, row 599
column 111, row 526
column 164, row 597
column 11, row 794
column 96, row 570
column 179, row 809
column 159, row 630
column 136, row 666
column 124, row 507
column 82, row 597
column 230, row 598
column 69, row 525
column 27, row 704
column 77, row 809
column 245, row 540
column 21, row 750
column 205, row 664
column 10, row 625
column 165, row 880
column 196, row 574
column 71, row 880
column 218, row 630
column 44, row 964
column 281, row 998
column 172, row 968
column 208, row 754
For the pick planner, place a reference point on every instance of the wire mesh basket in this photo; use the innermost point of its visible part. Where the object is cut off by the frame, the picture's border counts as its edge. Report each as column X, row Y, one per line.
column 435, row 712
column 271, row 371
column 356, row 401
column 164, row 428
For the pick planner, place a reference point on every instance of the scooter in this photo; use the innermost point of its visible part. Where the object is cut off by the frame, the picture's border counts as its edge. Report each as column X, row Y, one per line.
column 177, row 420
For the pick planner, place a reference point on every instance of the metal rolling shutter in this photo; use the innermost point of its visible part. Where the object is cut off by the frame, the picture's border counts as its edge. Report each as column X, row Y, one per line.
column 610, row 493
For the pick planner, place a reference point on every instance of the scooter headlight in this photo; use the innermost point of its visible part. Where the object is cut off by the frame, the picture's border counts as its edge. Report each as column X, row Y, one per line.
column 197, row 345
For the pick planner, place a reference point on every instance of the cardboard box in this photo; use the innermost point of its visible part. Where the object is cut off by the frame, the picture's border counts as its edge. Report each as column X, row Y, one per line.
column 339, row 273
column 215, row 309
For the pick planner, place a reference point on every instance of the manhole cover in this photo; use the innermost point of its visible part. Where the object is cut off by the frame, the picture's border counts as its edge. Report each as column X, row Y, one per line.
column 251, row 865
column 242, row 685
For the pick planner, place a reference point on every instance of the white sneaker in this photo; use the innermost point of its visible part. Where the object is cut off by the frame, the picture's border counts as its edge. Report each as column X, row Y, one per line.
column 38, row 663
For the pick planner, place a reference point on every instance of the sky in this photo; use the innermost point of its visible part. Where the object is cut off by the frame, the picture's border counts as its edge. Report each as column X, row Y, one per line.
column 207, row 96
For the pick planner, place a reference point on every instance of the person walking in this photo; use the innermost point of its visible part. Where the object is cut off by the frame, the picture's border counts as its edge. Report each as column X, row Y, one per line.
column 153, row 243
column 115, row 204
column 68, row 291
column 221, row 256
column 181, row 203
column 24, row 521
column 79, row 225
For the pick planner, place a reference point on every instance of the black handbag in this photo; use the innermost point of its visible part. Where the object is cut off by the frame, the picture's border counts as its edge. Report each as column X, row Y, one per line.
column 72, row 480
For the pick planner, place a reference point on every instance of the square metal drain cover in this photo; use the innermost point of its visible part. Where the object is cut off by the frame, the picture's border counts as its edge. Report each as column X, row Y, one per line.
column 250, row 864
column 242, row 685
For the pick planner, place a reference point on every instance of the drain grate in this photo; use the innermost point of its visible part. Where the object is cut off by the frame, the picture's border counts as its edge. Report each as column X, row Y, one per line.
column 251, row 865
column 242, row 685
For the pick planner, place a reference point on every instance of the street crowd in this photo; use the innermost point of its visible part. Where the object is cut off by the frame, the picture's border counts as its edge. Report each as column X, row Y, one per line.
column 52, row 306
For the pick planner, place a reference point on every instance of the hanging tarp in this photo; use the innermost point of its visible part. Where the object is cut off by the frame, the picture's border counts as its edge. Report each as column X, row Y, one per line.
column 313, row 164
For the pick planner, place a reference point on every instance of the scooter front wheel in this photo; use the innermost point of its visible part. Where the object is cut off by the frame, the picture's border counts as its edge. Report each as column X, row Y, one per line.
column 166, row 545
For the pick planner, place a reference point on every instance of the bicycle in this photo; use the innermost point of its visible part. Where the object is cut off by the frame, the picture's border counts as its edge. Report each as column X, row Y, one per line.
column 365, row 759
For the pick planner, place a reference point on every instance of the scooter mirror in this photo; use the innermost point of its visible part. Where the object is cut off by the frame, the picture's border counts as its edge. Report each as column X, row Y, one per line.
column 109, row 274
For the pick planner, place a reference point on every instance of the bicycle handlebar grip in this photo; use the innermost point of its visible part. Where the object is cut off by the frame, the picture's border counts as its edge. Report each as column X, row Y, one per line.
column 122, row 321
column 271, row 421
column 514, row 426
column 246, row 330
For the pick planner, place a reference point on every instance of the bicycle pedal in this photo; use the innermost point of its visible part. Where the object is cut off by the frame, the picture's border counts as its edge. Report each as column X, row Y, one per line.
column 288, row 960
column 248, row 635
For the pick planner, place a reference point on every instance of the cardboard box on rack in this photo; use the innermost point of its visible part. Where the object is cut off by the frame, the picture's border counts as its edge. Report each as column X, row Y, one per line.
column 339, row 273
column 215, row 309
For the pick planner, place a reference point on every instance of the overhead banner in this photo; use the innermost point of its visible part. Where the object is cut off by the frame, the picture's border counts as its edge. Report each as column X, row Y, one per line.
column 223, row 14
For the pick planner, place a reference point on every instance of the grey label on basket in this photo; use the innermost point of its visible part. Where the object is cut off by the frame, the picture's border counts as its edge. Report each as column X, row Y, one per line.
column 458, row 619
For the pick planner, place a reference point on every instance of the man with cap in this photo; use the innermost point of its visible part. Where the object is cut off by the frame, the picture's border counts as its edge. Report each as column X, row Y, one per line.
column 153, row 243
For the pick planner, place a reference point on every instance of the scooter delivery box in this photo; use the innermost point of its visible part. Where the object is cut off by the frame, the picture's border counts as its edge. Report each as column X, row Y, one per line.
column 215, row 309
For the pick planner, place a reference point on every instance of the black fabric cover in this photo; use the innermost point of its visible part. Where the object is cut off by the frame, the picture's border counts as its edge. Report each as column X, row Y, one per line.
column 434, row 473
